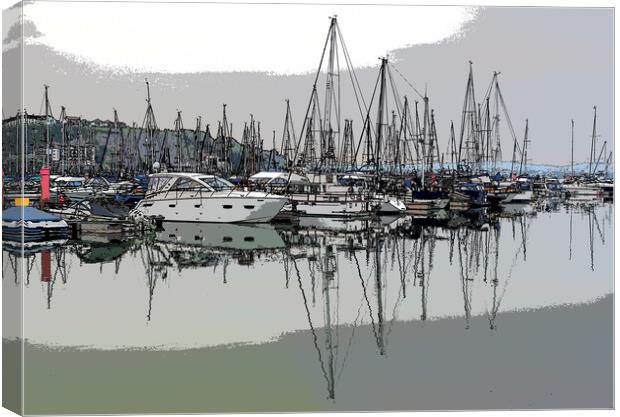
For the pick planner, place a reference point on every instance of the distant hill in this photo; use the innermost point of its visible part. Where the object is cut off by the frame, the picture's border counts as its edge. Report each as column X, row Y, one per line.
column 101, row 134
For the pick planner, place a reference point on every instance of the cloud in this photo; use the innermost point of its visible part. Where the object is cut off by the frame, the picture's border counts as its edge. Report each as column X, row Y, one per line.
column 197, row 37
column 15, row 32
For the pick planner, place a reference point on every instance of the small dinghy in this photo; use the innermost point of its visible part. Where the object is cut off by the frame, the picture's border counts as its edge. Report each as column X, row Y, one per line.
column 35, row 224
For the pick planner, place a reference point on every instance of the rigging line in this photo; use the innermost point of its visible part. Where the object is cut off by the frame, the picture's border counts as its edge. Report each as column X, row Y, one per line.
column 338, row 98
column 316, row 78
column 352, row 73
column 402, row 134
column 395, row 94
column 367, row 119
column 322, row 137
column 41, row 106
column 406, row 80
column 487, row 94
column 512, row 131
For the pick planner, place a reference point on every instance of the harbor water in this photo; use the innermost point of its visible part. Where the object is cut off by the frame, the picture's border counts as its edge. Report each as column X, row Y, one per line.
column 472, row 310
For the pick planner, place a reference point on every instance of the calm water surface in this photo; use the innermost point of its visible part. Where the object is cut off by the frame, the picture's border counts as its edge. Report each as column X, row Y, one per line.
column 471, row 310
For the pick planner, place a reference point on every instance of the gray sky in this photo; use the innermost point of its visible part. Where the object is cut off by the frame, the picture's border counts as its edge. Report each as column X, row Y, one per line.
column 556, row 63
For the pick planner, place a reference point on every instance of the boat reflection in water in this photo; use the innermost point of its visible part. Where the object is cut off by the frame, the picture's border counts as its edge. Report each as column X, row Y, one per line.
column 221, row 235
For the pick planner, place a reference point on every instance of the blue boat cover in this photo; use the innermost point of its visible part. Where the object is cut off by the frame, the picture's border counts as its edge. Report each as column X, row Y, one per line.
column 14, row 214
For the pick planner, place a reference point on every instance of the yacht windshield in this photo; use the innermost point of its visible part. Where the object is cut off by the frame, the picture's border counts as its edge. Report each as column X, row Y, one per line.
column 218, row 184
column 157, row 183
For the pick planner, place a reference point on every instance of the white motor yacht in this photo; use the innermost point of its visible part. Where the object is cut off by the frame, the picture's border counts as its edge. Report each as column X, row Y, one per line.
column 190, row 197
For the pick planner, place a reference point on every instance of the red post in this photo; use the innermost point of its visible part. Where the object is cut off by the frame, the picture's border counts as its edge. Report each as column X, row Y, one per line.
column 45, row 185
column 46, row 266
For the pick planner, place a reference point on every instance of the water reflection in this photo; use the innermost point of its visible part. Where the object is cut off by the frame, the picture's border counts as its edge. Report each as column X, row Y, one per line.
column 319, row 276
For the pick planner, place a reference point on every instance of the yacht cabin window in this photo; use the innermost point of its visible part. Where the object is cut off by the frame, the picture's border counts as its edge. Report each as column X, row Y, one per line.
column 186, row 184
column 157, row 184
column 218, row 184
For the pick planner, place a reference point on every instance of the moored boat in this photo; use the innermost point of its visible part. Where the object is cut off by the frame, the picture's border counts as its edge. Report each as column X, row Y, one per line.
column 191, row 197
column 29, row 223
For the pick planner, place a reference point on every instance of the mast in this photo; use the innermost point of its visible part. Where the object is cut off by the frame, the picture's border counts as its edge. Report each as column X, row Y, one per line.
column 426, row 142
column 407, row 156
column 226, row 132
column 48, row 114
column 572, row 147
column 452, row 144
column 433, row 150
column 197, row 153
column 497, row 152
column 487, row 131
column 120, row 148
column 608, row 161
column 600, row 155
column 380, row 117
column 332, row 98
column 288, row 137
column 178, row 128
column 347, row 156
column 272, row 153
column 468, row 122
column 259, row 150
column 523, row 164
column 500, row 101
column 63, row 136
column 592, row 144
column 223, row 143
column 329, row 127
column 149, row 125
column 105, row 147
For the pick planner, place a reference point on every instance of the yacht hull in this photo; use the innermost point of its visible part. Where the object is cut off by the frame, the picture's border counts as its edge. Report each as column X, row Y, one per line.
column 213, row 209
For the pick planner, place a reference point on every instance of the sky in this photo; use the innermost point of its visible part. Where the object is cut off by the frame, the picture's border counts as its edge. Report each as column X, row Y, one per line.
column 555, row 63
column 231, row 37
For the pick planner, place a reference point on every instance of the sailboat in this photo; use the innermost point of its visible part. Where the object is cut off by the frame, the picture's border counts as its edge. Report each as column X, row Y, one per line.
column 330, row 192
column 587, row 188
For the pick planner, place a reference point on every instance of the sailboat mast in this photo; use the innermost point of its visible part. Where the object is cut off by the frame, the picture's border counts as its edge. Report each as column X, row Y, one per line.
column 572, row 147
column 380, row 116
column 523, row 164
column 63, row 134
column 592, row 144
column 47, row 126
